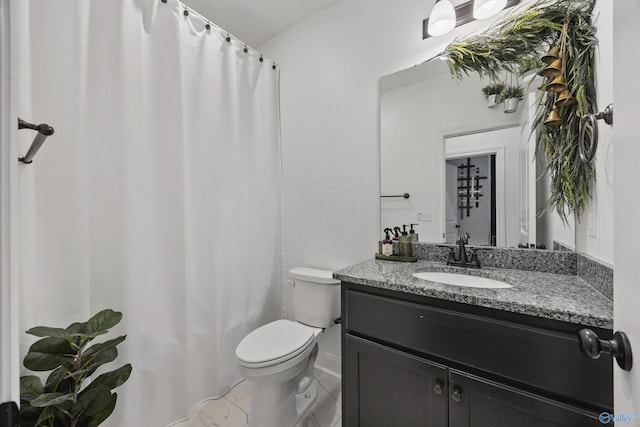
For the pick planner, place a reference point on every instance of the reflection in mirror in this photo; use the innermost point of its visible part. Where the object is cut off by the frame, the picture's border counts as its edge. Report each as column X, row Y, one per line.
column 468, row 168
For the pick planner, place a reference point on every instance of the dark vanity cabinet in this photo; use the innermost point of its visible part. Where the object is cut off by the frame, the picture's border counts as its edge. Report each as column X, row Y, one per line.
column 392, row 388
column 413, row 361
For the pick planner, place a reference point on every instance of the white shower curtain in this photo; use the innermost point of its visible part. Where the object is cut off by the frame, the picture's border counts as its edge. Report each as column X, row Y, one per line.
column 159, row 195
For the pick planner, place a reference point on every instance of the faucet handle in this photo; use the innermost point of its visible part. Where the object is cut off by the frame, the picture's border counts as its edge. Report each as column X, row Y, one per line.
column 474, row 256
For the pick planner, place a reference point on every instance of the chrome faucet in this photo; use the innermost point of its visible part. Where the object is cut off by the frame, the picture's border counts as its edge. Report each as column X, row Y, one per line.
column 462, row 260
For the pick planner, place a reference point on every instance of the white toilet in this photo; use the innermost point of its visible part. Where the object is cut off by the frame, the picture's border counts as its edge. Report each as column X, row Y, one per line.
column 278, row 357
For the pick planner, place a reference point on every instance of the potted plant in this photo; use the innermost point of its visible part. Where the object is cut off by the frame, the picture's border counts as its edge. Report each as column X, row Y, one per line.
column 511, row 96
column 492, row 92
column 65, row 399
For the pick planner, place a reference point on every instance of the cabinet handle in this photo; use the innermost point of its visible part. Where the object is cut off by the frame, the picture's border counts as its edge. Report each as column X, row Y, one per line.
column 619, row 347
column 457, row 394
column 437, row 389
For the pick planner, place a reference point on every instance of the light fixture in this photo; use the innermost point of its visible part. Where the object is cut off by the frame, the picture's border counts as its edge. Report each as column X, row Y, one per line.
column 442, row 18
column 443, row 12
column 485, row 8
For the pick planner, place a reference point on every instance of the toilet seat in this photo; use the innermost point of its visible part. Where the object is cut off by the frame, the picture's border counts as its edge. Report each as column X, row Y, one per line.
column 274, row 343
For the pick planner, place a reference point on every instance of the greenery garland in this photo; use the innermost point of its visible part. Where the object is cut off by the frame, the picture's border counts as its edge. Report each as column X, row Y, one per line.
column 515, row 44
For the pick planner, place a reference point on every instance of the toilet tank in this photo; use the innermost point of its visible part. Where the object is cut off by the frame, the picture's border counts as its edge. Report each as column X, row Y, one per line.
column 315, row 296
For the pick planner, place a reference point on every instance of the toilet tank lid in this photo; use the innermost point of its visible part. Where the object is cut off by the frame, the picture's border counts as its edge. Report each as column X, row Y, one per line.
column 314, row 275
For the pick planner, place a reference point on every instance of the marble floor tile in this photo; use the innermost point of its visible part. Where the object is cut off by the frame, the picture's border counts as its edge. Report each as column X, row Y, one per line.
column 328, row 399
column 232, row 409
column 331, row 384
column 318, row 416
column 218, row 413
column 240, row 395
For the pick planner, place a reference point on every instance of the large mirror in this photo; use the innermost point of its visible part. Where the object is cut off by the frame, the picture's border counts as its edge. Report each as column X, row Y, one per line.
column 466, row 167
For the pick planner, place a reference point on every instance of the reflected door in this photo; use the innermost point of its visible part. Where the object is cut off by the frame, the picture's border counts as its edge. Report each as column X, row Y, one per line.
column 451, row 219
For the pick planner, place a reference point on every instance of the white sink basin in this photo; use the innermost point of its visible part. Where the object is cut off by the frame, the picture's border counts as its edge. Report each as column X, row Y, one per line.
column 466, row 280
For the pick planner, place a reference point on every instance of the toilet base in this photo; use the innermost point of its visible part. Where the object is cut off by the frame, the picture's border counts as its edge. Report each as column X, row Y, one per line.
column 304, row 400
column 278, row 406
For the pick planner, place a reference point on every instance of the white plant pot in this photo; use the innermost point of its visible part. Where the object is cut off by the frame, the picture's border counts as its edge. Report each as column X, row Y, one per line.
column 510, row 105
column 492, row 101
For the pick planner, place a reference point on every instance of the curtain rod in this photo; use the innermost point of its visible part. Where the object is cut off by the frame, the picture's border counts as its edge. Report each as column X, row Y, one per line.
column 208, row 24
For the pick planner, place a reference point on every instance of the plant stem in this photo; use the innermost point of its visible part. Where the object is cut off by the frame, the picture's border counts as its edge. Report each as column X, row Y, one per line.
column 77, row 379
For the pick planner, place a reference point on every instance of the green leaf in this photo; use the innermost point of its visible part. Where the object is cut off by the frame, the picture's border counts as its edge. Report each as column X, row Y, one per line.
column 105, row 413
column 59, row 380
column 78, row 331
column 91, row 403
column 105, row 346
column 102, row 321
column 30, row 387
column 97, row 360
column 112, row 379
column 99, row 354
column 46, row 331
column 48, row 353
column 51, row 399
column 29, row 415
column 45, row 416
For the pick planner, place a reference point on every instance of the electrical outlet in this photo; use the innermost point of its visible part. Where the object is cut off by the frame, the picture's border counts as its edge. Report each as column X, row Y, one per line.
column 425, row 216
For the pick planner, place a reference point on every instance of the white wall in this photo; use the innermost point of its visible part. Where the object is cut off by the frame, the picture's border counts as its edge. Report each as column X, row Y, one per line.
column 331, row 64
column 330, row 69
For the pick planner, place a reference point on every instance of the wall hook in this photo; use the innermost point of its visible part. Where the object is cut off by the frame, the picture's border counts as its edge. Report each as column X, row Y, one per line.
column 44, row 130
column 587, row 149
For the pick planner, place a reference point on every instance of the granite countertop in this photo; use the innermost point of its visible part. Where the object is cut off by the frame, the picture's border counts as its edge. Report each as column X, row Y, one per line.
column 553, row 296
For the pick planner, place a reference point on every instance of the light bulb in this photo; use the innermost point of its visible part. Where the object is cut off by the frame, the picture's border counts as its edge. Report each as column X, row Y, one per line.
column 442, row 18
column 486, row 8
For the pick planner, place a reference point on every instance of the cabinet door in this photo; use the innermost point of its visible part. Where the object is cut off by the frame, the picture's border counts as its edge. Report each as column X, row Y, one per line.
column 476, row 402
column 384, row 387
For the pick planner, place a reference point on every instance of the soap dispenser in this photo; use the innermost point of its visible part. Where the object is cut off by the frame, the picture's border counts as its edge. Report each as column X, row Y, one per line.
column 387, row 243
column 396, row 240
column 404, row 243
column 413, row 234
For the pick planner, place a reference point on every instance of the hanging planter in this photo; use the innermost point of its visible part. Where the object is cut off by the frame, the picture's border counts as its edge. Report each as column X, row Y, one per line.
column 515, row 43
column 511, row 105
column 492, row 93
column 511, row 95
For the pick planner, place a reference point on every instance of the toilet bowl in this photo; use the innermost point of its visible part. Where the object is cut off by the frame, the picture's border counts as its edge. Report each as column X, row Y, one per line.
column 278, row 358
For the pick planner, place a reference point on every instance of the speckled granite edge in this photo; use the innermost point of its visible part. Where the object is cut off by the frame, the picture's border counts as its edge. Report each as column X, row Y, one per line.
column 597, row 274
column 553, row 296
column 558, row 262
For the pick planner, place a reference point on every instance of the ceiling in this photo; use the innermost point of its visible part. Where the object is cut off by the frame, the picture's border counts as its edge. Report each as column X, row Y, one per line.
column 256, row 21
